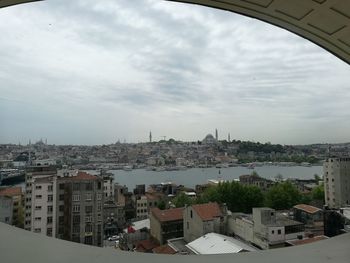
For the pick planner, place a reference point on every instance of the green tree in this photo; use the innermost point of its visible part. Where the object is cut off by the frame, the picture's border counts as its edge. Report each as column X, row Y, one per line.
column 161, row 205
column 283, row 196
column 181, row 200
column 318, row 193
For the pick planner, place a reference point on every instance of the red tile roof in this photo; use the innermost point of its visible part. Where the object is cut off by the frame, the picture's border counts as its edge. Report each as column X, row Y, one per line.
column 307, row 240
column 145, row 245
column 11, row 191
column 81, row 176
column 207, row 211
column 174, row 214
column 307, row 208
column 165, row 249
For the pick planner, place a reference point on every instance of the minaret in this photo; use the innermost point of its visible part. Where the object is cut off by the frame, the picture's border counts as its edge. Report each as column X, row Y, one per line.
column 150, row 136
column 229, row 137
column 216, row 134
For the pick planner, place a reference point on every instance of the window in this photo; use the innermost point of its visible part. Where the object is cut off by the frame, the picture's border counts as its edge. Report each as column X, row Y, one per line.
column 88, row 186
column 76, row 186
column 61, row 208
column 49, row 198
column 76, row 228
column 273, row 232
column 279, row 231
column 191, row 214
column 99, row 185
column 49, row 209
column 38, row 196
column 38, row 187
column 49, row 232
column 49, row 220
column 99, row 206
column 88, row 240
column 76, row 219
column 38, row 208
column 88, row 228
column 88, row 219
column 37, row 230
column 88, row 197
column 99, row 196
column 61, row 187
column 99, row 217
column 49, row 188
column 61, row 219
column 76, row 208
column 38, row 219
column 188, row 224
column 76, row 198
column 88, row 209
column 61, row 197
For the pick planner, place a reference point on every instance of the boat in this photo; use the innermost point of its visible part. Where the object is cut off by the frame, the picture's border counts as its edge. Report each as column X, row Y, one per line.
column 11, row 176
column 127, row 168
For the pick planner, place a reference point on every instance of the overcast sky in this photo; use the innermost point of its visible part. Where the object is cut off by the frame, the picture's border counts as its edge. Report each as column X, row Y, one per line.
column 93, row 72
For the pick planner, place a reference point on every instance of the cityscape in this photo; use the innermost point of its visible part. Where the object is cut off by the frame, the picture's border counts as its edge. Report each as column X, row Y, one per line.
column 171, row 130
column 72, row 193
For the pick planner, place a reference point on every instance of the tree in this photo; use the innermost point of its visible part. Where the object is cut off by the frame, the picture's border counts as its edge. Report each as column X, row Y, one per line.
column 161, row 205
column 317, row 177
column 318, row 193
column 283, row 196
column 181, row 200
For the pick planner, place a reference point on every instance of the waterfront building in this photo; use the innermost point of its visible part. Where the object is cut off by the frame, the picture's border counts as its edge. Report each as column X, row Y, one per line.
column 336, row 174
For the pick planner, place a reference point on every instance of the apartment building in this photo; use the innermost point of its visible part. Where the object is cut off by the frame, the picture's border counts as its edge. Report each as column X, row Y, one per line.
column 33, row 173
column 6, row 209
column 336, row 174
column 166, row 224
column 202, row 219
column 43, row 214
column 79, row 209
column 18, row 204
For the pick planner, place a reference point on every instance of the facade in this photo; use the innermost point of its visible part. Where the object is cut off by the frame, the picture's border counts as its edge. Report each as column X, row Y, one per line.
column 108, row 187
column 255, row 180
column 202, row 219
column 18, row 204
column 311, row 216
column 32, row 173
column 79, row 209
column 6, row 209
column 113, row 218
column 43, row 213
column 142, row 210
column 166, row 224
column 336, row 174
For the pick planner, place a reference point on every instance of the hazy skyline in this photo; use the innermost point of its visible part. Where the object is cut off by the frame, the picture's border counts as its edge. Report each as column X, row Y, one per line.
column 93, row 72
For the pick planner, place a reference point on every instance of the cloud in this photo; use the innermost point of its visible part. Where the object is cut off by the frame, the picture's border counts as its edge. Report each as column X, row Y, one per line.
column 116, row 69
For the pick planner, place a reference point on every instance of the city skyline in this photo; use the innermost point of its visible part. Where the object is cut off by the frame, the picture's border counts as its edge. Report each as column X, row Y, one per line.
column 91, row 73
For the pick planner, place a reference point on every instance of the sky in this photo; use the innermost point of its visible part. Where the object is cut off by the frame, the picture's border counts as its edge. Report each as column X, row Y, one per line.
column 95, row 72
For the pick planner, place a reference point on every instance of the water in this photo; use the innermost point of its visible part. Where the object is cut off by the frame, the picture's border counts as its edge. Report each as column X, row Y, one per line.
column 192, row 177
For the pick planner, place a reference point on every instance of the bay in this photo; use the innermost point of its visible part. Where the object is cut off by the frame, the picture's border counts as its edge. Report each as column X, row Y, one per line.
column 194, row 176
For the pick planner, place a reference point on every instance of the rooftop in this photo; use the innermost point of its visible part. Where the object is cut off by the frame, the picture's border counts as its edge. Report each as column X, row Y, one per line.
column 165, row 249
column 207, row 211
column 11, row 191
column 213, row 243
column 174, row 214
column 297, row 242
column 80, row 176
column 307, row 208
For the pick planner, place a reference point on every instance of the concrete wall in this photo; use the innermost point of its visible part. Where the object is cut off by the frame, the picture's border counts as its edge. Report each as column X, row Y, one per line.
column 156, row 231
column 6, row 209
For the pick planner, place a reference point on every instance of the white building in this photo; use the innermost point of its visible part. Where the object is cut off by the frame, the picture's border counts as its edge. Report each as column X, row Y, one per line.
column 142, row 210
column 213, row 243
column 43, row 214
column 336, row 174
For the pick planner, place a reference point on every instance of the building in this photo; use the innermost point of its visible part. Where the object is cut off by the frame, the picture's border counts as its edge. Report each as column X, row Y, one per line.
column 142, row 207
column 6, row 209
column 202, row 219
column 336, row 174
column 32, row 173
column 18, row 204
column 271, row 230
column 311, row 216
column 43, row 213
column 108, row 186
column 213, row 243
column 113, row 218
column 79, row 209
column 166, row 224
column 256, row 180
